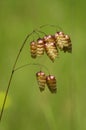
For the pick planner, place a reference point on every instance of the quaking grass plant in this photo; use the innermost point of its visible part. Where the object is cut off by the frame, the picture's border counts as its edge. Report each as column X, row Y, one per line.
column 48, row 44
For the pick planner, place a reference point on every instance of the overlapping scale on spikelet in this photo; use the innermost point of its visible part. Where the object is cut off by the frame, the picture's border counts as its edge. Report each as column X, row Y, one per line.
column 50, row 47
column 63, row 42
column 41, row 79
column 40, row 47
column 33, row 49
column 51, row 83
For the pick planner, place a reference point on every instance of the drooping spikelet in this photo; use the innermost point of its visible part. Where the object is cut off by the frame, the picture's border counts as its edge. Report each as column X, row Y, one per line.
column 51, row 83
column 50, row 47
column 63, row 42
column 33, row 49
column 41, row 78
column 51, row 50
column 40, row 47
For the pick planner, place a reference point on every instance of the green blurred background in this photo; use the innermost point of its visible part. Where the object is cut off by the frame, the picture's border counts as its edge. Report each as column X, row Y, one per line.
column 27, row 108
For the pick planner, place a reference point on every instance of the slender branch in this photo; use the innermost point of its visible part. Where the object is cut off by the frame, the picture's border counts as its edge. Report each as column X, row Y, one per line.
column 32, row 64
column 41, row 32
column 55, row 26
column 11, row 76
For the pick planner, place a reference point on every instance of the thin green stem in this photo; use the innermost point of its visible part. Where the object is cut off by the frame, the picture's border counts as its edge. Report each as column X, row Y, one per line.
column 55, row 26
column 32, row 64
column 12, row 72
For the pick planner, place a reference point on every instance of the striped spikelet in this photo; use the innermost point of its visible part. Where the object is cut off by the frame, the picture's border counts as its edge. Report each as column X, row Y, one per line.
column 40, row 47
column 41, row 78
column 50, row 47
column 51, row 83
column 33, row 49
column 63, row 42
column 51, row 50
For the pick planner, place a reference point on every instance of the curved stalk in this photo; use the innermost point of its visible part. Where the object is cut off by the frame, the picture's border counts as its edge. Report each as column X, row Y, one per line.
column 12, row 72
column 32, row 64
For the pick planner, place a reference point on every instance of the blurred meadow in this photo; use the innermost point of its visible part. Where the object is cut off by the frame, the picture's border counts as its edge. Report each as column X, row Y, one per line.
column 26, row 107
